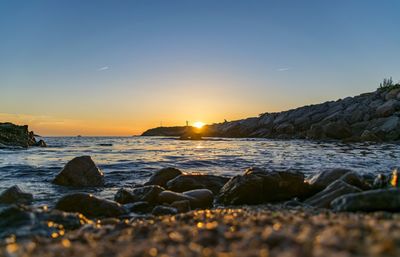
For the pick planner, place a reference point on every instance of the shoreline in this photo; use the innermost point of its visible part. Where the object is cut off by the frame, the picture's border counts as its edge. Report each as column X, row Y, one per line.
column 260, row 213
column 264, row 230
column 372, row 116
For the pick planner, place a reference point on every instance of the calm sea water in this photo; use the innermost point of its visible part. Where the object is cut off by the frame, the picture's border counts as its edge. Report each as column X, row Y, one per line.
column 130, row 160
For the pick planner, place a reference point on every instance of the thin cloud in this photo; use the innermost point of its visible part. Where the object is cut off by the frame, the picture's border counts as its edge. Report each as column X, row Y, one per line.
column 103, row 68
column 283, row 69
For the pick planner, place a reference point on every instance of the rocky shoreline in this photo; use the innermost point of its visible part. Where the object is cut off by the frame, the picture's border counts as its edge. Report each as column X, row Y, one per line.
column 373, row 116
column 12, row 135
column 176, row 213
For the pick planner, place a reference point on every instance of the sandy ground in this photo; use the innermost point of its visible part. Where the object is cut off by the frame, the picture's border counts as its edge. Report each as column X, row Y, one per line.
column 246, row 231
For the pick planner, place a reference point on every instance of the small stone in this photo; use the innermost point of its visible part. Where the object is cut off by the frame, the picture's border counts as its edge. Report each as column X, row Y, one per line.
column 146, row 193
column 203, row 198
column 164, row 210
column 170, row 197
column 181, row 206
column 138, row 207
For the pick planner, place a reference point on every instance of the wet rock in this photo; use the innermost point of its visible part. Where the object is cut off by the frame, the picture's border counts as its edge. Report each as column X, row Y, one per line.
column 388, row 108
column 41, row 143
column 198, row 198
column 184, row 183
column 80, row 172
column 146, row 193
column 181, row 206
column 164, row 210
column 14, row 195
column 170, row 197
column 324, row 198
column 258, row 186
column 14, row 135
column 322, row 179
column 202, row 198
column 368, row 201
column 161, row 177
column 354, row 179
column 285, row 128
column 139, row 207
column 387, row 129
column 89, row 205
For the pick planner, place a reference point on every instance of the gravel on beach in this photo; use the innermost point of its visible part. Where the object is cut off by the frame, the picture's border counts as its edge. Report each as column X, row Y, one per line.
column 265, row 230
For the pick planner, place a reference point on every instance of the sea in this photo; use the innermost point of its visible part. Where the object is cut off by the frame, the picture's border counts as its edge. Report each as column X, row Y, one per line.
column 129, row 161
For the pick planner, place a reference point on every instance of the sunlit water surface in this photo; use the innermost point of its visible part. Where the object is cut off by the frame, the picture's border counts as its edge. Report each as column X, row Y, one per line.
column 131, row 160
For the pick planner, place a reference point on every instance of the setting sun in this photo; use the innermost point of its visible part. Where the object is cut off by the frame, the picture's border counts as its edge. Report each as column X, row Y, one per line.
column 198, row 124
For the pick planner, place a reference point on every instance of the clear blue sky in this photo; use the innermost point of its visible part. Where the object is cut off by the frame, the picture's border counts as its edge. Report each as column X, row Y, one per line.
column 119, row 67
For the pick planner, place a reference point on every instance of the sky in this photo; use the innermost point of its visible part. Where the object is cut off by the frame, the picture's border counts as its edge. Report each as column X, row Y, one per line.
column 120, row 67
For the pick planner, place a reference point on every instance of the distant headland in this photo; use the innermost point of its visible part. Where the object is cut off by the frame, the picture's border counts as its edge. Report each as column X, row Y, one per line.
column 373, row 116
column 12, row 135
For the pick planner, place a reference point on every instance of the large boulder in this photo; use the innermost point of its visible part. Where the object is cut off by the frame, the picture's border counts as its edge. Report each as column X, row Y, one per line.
column 386, row 128
column 388, row 108
column 184, row 183
column 14, row 195
column 322, row 179
column 140, row 194
column 259, row 186
column 368, row 201
column 161, row 177
column 324, row 198
column 89, row 205
column 337, row 130
column 14, row 135
column 80, row 172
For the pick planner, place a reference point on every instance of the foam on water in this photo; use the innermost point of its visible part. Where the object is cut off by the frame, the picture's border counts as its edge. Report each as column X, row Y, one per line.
column 130, row 160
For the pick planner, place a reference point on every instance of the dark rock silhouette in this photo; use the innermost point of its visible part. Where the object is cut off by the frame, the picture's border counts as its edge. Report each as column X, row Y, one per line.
column 80, row 172
column 15, row 135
